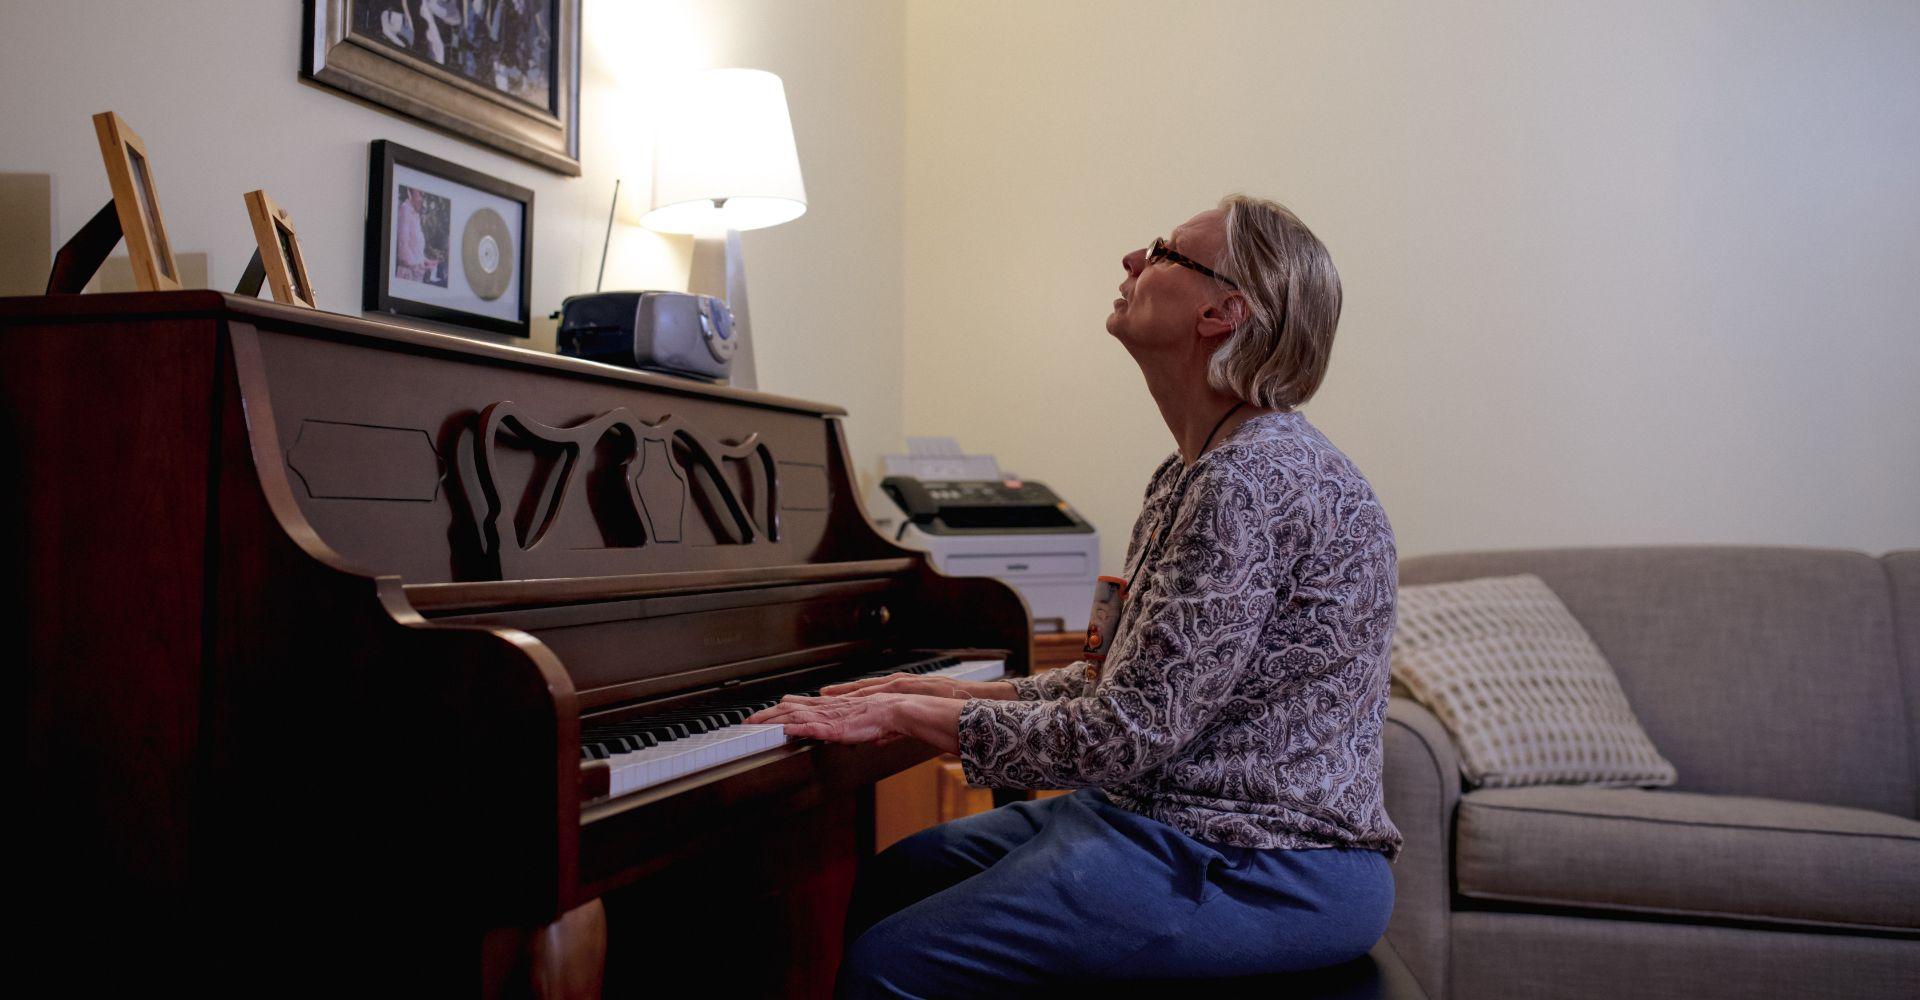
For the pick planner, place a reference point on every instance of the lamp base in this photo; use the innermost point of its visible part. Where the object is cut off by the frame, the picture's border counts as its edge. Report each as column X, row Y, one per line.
column 719, row 270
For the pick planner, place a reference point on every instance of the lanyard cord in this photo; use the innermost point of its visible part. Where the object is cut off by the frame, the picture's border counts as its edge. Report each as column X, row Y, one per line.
column 1166, row 526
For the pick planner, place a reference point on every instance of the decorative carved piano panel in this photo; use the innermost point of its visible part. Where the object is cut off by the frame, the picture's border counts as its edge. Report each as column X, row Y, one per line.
column 533, row 473
column 347, row 645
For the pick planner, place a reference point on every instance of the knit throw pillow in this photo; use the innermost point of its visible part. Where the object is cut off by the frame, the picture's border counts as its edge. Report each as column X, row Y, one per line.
column 1525, row 693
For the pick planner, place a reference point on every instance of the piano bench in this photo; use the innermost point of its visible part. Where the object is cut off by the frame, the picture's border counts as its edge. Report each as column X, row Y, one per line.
column 1377, row 975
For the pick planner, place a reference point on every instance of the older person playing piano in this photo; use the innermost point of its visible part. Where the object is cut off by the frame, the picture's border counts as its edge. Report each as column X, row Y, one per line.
column 1228, row 818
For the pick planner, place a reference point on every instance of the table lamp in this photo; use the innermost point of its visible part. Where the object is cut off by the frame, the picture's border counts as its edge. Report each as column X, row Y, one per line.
column 724, row 161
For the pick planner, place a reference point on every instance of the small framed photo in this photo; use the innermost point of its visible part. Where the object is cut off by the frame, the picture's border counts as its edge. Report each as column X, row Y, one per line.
column 279, row 247
column 137, row 205
column 447, row 243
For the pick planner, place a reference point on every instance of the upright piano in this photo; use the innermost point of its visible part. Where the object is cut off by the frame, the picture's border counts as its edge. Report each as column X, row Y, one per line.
column 360, row 658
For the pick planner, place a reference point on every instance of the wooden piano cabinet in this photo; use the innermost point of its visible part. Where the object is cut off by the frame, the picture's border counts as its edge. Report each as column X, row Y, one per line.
column 235, row 750
column 757, row 912
column 315, row 609
column 937, row 791
column 563, row 960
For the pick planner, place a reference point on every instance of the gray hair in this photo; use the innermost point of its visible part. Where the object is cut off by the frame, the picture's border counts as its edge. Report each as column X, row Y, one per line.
column 1278, row 353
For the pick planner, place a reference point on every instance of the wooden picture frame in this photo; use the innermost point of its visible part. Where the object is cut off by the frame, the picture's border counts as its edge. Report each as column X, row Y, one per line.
column 420, row 60
column 279, row 249
column 461, row 267
column 130, row 175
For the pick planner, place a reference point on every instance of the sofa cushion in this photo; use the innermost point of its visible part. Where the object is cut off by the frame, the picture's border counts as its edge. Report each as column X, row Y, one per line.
column 1757, row 671
column 1686, row 853
column 1527, row 696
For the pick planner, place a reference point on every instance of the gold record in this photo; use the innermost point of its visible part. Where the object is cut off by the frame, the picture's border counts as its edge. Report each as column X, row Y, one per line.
column 486, row 254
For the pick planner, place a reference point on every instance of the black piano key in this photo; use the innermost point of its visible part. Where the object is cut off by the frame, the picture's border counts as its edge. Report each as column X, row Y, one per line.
column 629, row 730
column 626, row 740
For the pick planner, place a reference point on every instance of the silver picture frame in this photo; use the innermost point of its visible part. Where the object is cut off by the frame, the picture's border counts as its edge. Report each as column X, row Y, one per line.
column 334, row 55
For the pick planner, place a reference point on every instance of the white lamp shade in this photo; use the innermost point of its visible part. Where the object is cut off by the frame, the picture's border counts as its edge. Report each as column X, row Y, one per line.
column 724, row 157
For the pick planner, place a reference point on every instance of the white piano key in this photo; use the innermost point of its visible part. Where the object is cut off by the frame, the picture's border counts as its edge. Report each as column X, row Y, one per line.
column 974, row 670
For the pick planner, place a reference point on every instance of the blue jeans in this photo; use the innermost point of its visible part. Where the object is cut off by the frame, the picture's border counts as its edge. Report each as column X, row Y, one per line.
column 1077, row 888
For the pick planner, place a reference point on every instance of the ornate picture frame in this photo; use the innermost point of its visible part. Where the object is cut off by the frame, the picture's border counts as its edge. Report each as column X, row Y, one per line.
column 447, row 243
column 280, row 254
column 503, row 73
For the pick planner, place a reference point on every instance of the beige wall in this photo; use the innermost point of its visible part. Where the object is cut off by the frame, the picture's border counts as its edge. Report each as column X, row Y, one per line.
column 214, row 89
column 1615, row 273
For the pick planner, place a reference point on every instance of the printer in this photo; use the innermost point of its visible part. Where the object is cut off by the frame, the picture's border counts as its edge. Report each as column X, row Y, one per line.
column 974, row 520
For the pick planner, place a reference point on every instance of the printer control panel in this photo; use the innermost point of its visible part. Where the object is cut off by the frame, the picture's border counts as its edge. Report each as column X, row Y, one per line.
column 1006, row 491
column 958, row 505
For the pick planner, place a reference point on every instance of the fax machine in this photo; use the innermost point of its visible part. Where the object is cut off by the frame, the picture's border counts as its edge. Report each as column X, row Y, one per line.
column 975, row 521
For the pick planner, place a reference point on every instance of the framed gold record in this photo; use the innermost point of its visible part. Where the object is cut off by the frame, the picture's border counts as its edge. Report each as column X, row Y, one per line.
column 486, row 254
column 447, row 243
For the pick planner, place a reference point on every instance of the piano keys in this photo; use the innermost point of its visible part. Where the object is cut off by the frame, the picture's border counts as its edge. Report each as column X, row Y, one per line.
column 652, row 750
column 344, row 645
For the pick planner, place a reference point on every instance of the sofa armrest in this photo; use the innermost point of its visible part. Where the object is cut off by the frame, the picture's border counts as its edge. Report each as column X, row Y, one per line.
column 1422, row 773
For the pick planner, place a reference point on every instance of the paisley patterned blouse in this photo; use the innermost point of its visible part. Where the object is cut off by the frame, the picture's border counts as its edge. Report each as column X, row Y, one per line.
column 1244, row 693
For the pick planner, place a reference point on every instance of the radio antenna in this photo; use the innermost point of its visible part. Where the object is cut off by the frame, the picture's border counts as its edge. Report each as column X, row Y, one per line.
column 602, row 276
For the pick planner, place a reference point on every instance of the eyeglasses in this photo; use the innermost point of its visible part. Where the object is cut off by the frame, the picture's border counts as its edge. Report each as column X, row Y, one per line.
column 1161, row 251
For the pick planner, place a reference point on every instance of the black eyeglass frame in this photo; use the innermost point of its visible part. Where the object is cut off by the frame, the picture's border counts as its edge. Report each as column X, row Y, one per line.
column 1159, row 251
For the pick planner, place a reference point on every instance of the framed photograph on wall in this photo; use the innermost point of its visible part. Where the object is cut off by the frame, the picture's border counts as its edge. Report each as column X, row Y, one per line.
column 504, row 73
column 447, row 243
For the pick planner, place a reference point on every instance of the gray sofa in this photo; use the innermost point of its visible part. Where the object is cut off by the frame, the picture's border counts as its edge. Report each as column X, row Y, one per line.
column 1784, row 684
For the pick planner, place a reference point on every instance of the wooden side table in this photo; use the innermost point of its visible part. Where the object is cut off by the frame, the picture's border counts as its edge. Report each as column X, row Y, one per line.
column 1057, row 649
column 937, row 791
